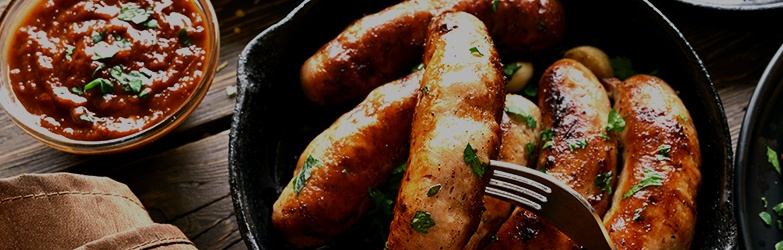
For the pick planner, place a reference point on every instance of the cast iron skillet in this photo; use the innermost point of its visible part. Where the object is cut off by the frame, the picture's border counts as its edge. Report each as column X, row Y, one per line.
column 762, row 127
column 736, row 4
column 273, row 121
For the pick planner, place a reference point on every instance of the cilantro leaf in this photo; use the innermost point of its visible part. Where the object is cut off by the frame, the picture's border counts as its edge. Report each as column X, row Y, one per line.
column 615, row 122
column 184, row 38
column 495, row 5
column 605, row 136
column 511, row 68
column 637, row 214
column 135, row 14
column 433, row 190
column 772, row 158
column 418, row 67
column 622, row 67
column 470, row 157
column 531, row 150
column 381, row 201
column 475, row 50
column 531, row 90
column 663, row 152
column 105, row 85
column 421, row 222
column 651, row 178
column 778, row 209
column 684, row 119
column 519, row 113
column 766, row 217
column 779, row 245
column 604, row 182
column 573, row 145
column 301, row 178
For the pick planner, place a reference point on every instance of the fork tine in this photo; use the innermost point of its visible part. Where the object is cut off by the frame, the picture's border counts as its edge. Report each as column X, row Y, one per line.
column 518, row 185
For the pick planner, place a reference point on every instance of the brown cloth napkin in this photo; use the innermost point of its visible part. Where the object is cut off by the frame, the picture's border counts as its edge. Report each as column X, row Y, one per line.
column 71, row 211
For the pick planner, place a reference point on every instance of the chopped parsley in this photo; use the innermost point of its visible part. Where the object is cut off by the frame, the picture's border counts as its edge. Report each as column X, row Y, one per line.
column 519, row 113
column 345, row 171
column 542, row 170
column 425, row 89
column 77, row 90
column 106, row 86
column 511, row 68
column 772, row 158
column 604, row 182
column 98, row 37
column 651, row 178
column 622, row 67
column 132, row 81
column 381, row 201
column 573, row 145
column 184, row 38
column 495, row 5
column 766, row 217
column 98, row 69
column 87, row 118
column 638, row 213
column 615, row 122
column 301, row 178
column 779, row 245
column 135, row 14
column 605, row 136
column 778, row 209
column 780, row 225
column 764, row 201
column 433, row 190
column 546, row 136
column 469, row 154
column 475, row 50
column 145, row 92
column 103, row 50
column 418, row 67
column 531, row 90
column 69, row 51
column 421, row 222
column 663, row 152
column 684, row 119
column 531, row 150
column 152, row 24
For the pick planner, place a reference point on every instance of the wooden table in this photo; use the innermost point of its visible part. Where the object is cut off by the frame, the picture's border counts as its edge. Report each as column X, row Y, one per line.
column 182, row 178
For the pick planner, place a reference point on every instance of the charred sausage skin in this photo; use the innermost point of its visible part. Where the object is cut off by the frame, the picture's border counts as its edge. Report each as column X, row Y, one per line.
column 461, row 104
column 354, row 154
column 659, row 136
column 574, row 111
column 384, row 46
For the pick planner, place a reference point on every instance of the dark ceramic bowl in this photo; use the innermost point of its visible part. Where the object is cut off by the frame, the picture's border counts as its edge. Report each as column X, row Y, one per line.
column 273, row 120
column 736, row 4
column 762, row 127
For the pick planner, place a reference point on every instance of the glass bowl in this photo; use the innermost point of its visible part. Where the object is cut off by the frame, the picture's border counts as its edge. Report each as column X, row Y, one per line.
column 29, row 123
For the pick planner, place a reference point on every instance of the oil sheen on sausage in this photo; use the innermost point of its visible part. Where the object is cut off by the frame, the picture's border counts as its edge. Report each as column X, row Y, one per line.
column 660, row 146
column 461, row 104
column 574, row 148
column 354, row 154
column 518, row 145
column 384, row 46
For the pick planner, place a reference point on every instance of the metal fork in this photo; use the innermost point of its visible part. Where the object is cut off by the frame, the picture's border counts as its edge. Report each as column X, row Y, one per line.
column 551, row 200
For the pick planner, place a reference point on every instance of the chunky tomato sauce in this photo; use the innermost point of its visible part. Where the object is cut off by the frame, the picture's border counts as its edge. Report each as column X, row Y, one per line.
column 104, row 69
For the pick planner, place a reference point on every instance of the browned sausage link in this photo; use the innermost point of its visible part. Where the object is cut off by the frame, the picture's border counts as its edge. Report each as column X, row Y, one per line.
column 518, row 143
column 385, row 45
column 574, row 110
column 373, row 50
column 660, row 144
column 461, row 105
column 355, row 153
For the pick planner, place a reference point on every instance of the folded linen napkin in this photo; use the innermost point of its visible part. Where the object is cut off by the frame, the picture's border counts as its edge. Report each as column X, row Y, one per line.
column 70, row 211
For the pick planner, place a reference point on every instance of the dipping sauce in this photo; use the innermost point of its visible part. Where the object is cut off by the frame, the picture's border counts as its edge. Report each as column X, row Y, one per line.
column 104, row 69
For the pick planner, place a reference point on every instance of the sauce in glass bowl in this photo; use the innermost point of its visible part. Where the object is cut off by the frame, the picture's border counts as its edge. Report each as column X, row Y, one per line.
column 93, row 70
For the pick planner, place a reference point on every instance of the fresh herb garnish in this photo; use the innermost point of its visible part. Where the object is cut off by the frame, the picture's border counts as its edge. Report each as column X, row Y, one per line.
column 105, row 85
column 87, row 118
column 622, row 67
column 98, row 37
column 546, row 136
column 764, row 201
column 684, row 119
column 495, row 5
column 183, row 37
column 573, row 145
column 418, row 67
column 135, row 14
column 604, row 182
column 778, row 209
column 381, row 201
column 531, row 150
column 475, row 50
column 421, row 222
column 779, row 245
column 542, row 170
column 638, row 213
column 531, row 90
column 100, row 67
column 651, row 178
column 77, row 90
column 425, row 89
column 470, row 157
column 663, row 152
column 766, row 217
column 133, row 81
column 301, row 178
column 615, row 122
column 772, row 158
column 433, row 190
column 605, row 136
column 145, row 92
column 152, row 24
column 519, row 113
column 69, row 51
column 511, row 68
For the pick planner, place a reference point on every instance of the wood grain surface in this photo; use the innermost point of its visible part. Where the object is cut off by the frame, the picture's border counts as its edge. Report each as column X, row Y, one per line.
column 182, row 178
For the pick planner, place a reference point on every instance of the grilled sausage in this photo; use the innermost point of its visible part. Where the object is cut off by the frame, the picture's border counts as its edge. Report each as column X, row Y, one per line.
column 574, row 110
column 455, row 133
column 660, row 146
column 354, row 154
column 384, row 46
column 518, row 142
